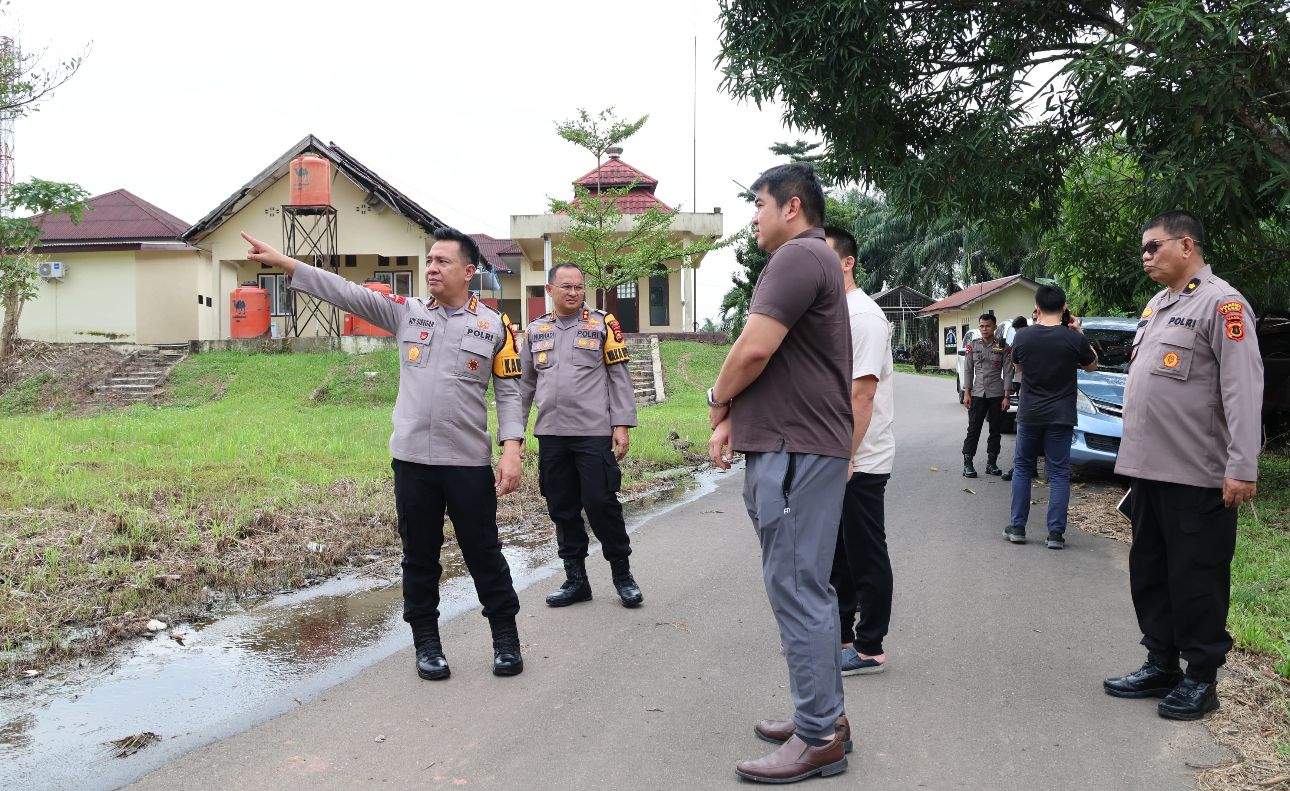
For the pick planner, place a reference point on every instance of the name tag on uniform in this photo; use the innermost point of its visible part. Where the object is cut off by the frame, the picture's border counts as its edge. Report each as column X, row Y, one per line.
column 542, row 341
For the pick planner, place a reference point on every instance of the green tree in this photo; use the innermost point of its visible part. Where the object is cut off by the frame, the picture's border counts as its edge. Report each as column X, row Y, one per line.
column 980, row 110
column 19, row 238
column 611, row 248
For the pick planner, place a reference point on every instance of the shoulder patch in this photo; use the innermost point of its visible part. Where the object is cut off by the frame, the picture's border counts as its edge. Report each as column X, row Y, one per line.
column 1191, row 286
column 397, row 298
column 1146, row 314
column 1235, row 323
column 1231, row 307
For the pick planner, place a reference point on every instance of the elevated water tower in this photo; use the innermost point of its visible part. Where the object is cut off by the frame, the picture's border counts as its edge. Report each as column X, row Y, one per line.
column 309, row 234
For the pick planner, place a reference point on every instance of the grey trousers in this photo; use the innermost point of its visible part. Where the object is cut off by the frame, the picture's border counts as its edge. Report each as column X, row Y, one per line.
column 795, row 502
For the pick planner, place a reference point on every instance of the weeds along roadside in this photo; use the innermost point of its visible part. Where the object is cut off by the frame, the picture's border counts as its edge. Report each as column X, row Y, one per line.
column 255, row 473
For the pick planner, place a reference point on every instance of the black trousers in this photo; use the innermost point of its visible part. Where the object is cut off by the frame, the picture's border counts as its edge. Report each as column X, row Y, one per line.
column 579, row 474
column 861, row 567
column 1180, row 571
column 984, row 409
column 421, row 495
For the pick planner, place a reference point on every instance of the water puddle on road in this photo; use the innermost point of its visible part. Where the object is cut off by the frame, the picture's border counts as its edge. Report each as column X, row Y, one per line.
column 243, row 668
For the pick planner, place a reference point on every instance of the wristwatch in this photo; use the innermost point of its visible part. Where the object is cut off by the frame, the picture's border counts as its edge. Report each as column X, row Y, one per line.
column 712, row 402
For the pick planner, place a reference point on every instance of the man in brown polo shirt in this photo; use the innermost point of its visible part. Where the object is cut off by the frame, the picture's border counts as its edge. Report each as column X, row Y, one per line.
column 783, row 398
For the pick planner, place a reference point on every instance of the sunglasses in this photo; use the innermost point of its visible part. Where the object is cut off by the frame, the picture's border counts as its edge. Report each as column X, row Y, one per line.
column 1152, row 246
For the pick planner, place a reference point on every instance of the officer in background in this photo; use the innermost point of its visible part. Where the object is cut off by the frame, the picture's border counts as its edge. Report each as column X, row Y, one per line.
column 574, row 364
column 448, row 347
column 986, row 376
column 1192, row 432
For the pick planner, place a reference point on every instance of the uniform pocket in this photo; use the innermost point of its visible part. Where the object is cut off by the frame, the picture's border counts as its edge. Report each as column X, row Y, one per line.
column 1174, row 355
column 613, row 473
column 414, row 355
column 474, row 360
column 586, row 358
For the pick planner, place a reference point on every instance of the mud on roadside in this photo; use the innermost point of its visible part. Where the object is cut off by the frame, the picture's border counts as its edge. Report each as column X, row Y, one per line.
column 73, row 583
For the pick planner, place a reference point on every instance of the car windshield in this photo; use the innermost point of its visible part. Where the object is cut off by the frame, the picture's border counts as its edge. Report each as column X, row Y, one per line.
column 1112, row 347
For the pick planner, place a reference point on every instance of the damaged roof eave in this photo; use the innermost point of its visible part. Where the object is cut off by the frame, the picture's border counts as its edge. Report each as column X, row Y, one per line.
column 345, row 164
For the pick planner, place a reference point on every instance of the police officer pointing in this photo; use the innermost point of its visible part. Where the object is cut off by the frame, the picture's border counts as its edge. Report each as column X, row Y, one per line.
column 1192, row 432
column 574, row 364
column 448, row 348
column 985, row 394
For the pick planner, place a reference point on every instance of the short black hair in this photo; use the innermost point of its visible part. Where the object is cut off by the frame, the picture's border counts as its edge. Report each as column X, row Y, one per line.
column 785, row 182
column 1050, row 299
column 989, row 316
column 843, row 241
column 1178, row 223
column 1020, row 322
column 469, row 250
column 550, row 275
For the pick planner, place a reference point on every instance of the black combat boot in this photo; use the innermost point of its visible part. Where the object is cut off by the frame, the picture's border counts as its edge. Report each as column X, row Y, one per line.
column 991, row 465
column 969, row 470
column 507, row 660
column 1155, row 679
column 432, row 665
column 628, row 590
column 1192, row 699
column 576, row 587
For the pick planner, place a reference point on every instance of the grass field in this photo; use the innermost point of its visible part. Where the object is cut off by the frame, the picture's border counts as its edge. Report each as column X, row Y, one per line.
column 1259, row 619
column 257, row 472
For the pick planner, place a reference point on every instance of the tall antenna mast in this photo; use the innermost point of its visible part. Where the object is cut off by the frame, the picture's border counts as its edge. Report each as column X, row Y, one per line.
column 7, row 70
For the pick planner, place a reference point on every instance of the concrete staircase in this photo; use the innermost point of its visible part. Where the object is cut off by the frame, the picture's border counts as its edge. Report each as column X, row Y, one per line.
column 140, row 375
column 641, row 368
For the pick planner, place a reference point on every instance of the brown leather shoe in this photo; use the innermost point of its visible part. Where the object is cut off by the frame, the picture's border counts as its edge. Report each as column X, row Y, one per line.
column 795, row 760
column 778, row 731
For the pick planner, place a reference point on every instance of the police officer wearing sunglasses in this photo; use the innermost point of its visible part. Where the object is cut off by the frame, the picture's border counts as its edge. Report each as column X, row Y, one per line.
column 1192, row 430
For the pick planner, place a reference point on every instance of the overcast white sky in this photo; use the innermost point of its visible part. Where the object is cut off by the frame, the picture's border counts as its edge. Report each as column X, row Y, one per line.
column 453, row 103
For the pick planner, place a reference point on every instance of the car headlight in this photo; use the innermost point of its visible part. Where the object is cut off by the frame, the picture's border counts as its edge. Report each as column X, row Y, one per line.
column 1083, row 403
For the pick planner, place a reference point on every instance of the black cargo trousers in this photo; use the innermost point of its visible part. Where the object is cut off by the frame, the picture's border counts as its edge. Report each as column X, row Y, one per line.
column 422, row 494
column 579, row 474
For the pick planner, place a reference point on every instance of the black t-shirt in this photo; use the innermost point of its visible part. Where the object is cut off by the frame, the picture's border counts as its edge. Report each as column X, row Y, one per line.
column 1049, row 357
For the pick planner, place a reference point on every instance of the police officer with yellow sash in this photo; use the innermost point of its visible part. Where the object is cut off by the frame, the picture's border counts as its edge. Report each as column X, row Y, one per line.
column 449, row 348
column 574, row 365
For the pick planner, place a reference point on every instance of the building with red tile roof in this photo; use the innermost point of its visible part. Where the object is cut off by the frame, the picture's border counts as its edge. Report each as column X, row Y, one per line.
column 959, row 313
column 664, row 303
column 614, row 173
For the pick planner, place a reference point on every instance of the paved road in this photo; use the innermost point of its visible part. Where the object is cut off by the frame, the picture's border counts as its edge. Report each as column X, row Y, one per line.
column 996, row 657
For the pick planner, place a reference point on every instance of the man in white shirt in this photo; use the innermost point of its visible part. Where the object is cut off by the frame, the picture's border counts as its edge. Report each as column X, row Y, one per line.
column 861, row 568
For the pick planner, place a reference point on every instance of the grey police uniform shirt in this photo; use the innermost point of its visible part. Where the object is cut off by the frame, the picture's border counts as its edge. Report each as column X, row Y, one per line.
column 988, row 369
column 446, row 358
column 564, row 370
column 1195, row 391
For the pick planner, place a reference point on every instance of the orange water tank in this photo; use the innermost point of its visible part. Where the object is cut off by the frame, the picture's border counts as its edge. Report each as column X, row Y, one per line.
column 357, row 325
column 310, row 181
column 249, row 311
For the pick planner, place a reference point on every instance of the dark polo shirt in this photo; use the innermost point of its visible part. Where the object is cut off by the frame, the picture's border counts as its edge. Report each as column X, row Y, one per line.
column 802, row 400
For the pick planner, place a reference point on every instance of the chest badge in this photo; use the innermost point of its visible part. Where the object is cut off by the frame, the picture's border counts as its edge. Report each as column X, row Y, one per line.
column 1171, row 360
column 1146, row 314
column 425, row 335
column 483, row 325
column 414, row 354
column 541, row 358
column 473, row 365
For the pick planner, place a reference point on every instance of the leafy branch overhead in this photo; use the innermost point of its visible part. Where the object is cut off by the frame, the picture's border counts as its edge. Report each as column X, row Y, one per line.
column 613, row 247
column 985, row 110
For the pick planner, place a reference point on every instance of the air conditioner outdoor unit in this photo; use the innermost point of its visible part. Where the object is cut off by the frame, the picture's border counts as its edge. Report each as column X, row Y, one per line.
column 50, row 269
